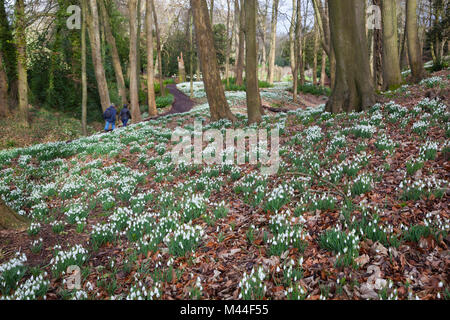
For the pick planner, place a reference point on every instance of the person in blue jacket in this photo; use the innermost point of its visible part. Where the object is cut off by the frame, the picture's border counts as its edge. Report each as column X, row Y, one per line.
column 110, row 117
column 125, row 115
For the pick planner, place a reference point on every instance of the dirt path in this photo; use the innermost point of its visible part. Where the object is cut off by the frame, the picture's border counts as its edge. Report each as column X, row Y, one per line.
column 182, row 103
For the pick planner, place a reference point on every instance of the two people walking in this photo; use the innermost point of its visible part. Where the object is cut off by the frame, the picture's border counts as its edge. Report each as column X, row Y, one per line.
column 110, row 116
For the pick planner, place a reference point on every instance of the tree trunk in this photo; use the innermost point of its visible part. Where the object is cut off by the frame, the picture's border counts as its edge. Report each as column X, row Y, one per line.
column 352, row 91
column 114, row 54
column 391, row 64
column 181, row 68
column 378, row 54
column 211, row 13
column 240, row 58
column 191, row 54
column 21, row 44
column 323, row 73
column 273, row 41
column 134, row 90
column 321, row 15
column 251, row 67
column 9, row 220
column 158, row 50
column 292, row 37
column 138, row 46
column 152, row 111
column 297, row 48
column 229, row 43
column 83, row 71
column 303, row 47
column 414, row 51
column 9, row 54
column 299, row 44
column 218, row 105
column 94, row 36
column 403, row 52
column 316, row 49
column 4, row 110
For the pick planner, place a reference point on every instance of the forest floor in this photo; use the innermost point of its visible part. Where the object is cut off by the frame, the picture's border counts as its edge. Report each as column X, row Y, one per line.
column 359, row 208
column 45, row 126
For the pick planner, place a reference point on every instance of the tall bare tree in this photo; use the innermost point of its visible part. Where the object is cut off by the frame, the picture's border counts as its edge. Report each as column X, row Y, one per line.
column 352, row 91
column 114, row 53
column 83, row 70
column 158, row 49
column 94, row 36
column 211, row 12
column 21, row 46
column 414, row 51
column 228, row 44
column 316, row 49
column 297, row 47
column 251, row 66
column 134, row 90
column 322, row 18
column 152, row 111
column 4, row 110
column 239, row 8
column 377, row 53
column 218, row 104
column 273, row 40
column 262, row 19
column 292, row 36
column 191, row 53
column 391, row 63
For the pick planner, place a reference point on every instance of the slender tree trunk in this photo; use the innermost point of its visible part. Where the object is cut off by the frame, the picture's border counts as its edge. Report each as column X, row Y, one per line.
column 22, row 61
column 134, row 90
column 191, row 53
column 303, row 46
column 158, row 50
column 240, row 58
column 4, row 110
column 378, row 54
column 299, row 40
column 263, row 26
column 181, row 68
column 138, row 46
column 292, row 37
column 9, row 220
column 114, row 54
column 323, row 73
column 352, row 90
column 94, row 36
column 273, row 40
column 403, row 51
column 391, row 64
column 152, row 111
column 9, row 54
column 414, row 51
column 321, row 15
column 297, row 49
column 251, row 66
column 229, row 43
column 211, row 13
column 218, row 105
column 316, row 49
column 83, row 71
